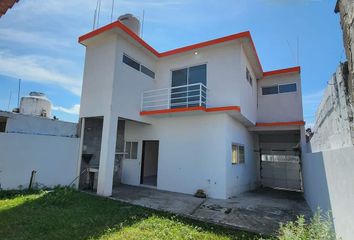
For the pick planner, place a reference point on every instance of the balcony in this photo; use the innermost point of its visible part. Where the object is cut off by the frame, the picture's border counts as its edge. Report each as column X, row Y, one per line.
column 192, row 96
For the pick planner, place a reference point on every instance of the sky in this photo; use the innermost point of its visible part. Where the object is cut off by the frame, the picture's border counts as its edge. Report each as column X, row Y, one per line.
column 38, row 41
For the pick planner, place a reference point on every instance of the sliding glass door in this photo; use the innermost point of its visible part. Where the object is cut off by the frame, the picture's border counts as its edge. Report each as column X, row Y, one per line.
column 186, row 88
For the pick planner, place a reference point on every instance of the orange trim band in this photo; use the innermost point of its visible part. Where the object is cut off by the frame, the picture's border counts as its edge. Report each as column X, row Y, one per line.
column 272, row 124
column 189, row 109
column 281, row 71
column 205, row 44
column 228, row 108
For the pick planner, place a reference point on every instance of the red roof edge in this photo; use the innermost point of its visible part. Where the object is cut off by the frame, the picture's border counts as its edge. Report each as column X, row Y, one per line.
column 120, row 25
column 245, row 34
column 205, row 44
column 282, row 71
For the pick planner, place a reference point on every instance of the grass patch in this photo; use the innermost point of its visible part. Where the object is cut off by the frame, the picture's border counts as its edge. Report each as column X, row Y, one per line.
column 68, row 214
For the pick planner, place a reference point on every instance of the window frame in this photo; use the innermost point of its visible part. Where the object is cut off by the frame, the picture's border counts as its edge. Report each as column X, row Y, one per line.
column 293, row 83
column 140, row 66
column 238, row 160
column 270, row 86
column 249, row 77
column 278, row 88
column 132, row 59
column 149, row 71
column 187, row 76
column 129, row 155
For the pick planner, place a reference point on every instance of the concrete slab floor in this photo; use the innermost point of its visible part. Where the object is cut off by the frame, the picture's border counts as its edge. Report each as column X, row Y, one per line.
column 259, row 211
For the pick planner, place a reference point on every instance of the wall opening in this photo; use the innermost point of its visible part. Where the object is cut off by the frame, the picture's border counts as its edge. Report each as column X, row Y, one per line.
column 149, row 163
column 3, row 122
column 91, row 150
column 280, row 162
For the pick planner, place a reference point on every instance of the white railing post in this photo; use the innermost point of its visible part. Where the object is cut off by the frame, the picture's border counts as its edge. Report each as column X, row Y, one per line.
column 162, row 98
column 169, row 98
column 200, row 94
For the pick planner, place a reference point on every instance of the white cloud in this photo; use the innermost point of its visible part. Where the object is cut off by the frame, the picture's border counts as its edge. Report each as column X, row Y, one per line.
column 75, row 109
column 33, row 38
column 39, row 69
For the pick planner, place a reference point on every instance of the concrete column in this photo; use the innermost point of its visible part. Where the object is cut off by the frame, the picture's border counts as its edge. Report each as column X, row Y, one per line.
column 107, row 155
column 78, row 171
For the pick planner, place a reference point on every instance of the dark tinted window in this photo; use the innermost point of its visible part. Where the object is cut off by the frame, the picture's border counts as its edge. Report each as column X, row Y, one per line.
column 127, row 60
column 287, row 88
column 249, row 77
column 197, row 74
column 269, row 90
column 179, row 94
column 147, row 71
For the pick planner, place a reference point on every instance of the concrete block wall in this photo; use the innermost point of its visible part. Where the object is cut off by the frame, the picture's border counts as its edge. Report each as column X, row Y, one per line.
column 334, row 118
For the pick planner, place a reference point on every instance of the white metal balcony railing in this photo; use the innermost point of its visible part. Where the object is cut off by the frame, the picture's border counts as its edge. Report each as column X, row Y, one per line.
column 192, row 95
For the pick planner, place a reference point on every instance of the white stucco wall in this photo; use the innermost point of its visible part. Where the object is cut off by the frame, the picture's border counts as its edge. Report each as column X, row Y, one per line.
column 54, row 159
column 329, row 183
column 191, row 155
column 240, row 177
column 130, row 83
column 282, row 107
column 223, row 72
column 99, row 72
column 248, row 93
column 118, row 83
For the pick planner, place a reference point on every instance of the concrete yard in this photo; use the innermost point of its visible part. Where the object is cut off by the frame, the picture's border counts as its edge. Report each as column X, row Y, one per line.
column 259, row 211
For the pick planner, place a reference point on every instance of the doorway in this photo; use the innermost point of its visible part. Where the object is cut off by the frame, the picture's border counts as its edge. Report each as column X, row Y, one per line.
column 149, row 163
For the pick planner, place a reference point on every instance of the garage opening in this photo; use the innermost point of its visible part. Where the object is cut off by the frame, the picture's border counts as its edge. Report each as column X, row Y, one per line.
column 280, row 160
column 149, row 163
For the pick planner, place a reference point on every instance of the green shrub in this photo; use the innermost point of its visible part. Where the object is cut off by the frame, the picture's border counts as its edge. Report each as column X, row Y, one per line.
column 320, row 227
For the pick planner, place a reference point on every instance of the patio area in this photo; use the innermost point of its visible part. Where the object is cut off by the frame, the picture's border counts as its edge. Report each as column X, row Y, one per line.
column 260, row 211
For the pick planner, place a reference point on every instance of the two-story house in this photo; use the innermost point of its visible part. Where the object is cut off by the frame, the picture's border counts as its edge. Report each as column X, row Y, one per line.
column 204, row 116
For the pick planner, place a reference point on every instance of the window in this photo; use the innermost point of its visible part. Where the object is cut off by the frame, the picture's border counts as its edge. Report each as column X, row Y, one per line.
column 131, row 150
column 130, row 62
column 238, row 154
column 147, row 71
column 188, row 96
column 249, row 77
column 284, row 88
column 270, row 90
column 134, row 64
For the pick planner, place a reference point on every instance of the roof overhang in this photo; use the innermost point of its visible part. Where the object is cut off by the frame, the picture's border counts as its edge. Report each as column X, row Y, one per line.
column 245, row 38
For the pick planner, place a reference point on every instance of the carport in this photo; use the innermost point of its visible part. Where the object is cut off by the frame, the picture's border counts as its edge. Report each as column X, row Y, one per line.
column 280, row 159
column 279, row 149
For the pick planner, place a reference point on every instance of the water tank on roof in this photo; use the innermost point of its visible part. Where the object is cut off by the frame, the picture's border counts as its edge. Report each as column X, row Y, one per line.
column 36, row 104
column 131, row 22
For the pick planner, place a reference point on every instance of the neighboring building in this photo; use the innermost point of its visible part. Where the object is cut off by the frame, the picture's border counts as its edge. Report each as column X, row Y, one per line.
column 34, row 147
column 34, row 117
column 204, row 116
